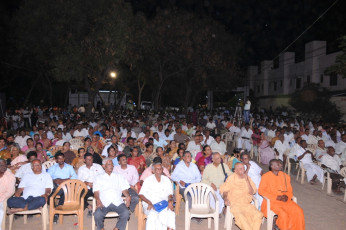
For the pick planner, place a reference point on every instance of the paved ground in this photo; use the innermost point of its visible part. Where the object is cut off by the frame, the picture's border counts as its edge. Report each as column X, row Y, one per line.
column 322, row 211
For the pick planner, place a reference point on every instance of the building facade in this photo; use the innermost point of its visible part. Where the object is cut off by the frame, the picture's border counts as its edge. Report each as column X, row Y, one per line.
column 272, row 85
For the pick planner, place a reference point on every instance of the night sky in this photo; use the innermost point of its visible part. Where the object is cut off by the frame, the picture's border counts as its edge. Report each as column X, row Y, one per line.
column 265, row 27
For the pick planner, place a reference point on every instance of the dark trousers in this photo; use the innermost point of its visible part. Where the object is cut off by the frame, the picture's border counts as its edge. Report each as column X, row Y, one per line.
column 89, row 194
column 32, row 202
column 122, row 211
column 134, row 199
column 60, row 193
column 181, row 191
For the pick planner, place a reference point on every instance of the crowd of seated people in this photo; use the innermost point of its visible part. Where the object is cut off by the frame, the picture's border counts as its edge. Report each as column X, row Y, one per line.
column 187, row 149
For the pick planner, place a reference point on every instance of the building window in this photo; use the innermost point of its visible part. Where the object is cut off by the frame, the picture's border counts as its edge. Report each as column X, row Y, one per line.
column 275, row 85
column 308, row 79
column 298, row 83
column 321, row 78
column 333, row 79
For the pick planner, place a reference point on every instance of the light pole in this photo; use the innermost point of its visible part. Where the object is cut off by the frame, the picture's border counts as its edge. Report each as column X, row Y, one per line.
column 113, row 74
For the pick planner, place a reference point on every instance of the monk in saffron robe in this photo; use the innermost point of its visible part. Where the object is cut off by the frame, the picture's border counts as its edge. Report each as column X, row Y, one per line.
column 276, row 185
column 238, row 191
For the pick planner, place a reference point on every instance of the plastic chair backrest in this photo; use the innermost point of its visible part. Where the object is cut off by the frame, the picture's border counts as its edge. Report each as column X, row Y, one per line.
column 199, row 193
column 73, row 191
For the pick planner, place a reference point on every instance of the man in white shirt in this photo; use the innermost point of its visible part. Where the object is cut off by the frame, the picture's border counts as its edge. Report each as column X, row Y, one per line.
column 313, row 171
column 245, row 137
column 306, row 135
column 281, row 147
column 108, row 188
column 207, row 138
column 218, row 146
column 79, row 132
column 114, row 142
column 211, row 125
column 247, row 110
column 21, row 139
column 130, row 173
column 320, row 150
column 158, row 188
column 87, row 174
column 167, row 136
column 158, row 142
column 35, row 186
column 333, row 162
column 27, row 168
column 195, row 146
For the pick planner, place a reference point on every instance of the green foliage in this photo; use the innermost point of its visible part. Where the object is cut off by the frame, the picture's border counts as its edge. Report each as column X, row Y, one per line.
column 314, row 102
column 340, row 63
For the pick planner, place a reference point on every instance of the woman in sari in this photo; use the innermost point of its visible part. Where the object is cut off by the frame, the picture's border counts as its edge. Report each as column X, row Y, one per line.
column 137, row 161
column 205, row 159
column 17, row 159
column 265, row 151
column 166, row 161
column 29, row 146
column 149, row 153
column 172, row 149
column 78, row 161
column 41, row 154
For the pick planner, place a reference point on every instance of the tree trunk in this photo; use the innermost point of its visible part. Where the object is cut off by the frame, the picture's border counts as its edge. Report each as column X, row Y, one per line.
column 140, row 90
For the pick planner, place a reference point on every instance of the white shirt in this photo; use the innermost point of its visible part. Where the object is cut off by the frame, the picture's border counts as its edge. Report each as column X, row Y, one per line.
column 254, row 173
column 156, row 191
column 25, row 169
column 218, row 147
column 340, row 147
column 78, row 133
column 331, row 162
column 211, row 125
column 307, row 158
column 281, row 147
column 35, row 184
column 209, row 141
column 130, row 173
column 21, row 141
column 88, row 175
column 247, row 105
column 192, row 146
column 110, row 188
column 271, row 133
column 105, row 152
column 234, row 129
column 66, row 137
column 320, row 153
column 246, row 133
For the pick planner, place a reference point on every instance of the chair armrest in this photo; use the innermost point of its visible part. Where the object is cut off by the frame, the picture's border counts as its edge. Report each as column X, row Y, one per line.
column 294, row 199
column 268, row 204
column 255, row 201
column 51, row 199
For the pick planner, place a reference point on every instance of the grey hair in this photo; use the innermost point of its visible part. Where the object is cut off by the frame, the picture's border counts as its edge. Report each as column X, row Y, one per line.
column 244, row 153
column 215, row 153
column 155, row 163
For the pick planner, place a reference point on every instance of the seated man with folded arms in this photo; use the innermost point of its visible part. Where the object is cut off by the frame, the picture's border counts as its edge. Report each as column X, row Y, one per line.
column 60, row 172
column 108, row 188
column 157, row 196
column 333, row 164
column 7, row 183
column 238, row 192
column 130, row 173
column 87, row 173
column 35, row 186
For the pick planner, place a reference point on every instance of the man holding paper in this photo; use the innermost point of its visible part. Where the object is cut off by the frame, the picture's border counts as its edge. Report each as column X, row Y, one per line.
column 157, row 196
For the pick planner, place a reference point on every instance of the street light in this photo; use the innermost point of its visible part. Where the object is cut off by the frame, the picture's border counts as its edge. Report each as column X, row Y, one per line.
column 113, row 74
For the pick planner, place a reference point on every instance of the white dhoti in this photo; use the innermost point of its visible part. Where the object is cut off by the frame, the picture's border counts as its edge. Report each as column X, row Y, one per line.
column 244, row 144
column 313, row 169
column 219, row 197
column 159, row 220
column 259, row 198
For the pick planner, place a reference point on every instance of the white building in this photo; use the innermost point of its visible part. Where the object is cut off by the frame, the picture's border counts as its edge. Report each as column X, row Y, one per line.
column 272, row 86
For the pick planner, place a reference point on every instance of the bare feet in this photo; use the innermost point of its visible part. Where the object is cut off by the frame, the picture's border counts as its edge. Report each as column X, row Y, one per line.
column 313, row 180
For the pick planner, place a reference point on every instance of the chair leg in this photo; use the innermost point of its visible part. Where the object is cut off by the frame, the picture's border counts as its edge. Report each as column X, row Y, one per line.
column 51, row 218
column 60, row 219
column 329, row 185
column 303, row 176
column 187, row 222
column 270, row 222
column 10, row 220
column 209, row 222
column 80, row 220
column 216, row 222
column 25, row 217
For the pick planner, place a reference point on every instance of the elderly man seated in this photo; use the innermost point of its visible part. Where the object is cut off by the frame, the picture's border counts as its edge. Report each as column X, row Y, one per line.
column 238, row 191
column 130, row 173
column 320, row 150
column 214, row 175
column 27, row 168
column 218, row 146
column 35, row 186
column 157, row 196
column 333, row 164
column 108, row 189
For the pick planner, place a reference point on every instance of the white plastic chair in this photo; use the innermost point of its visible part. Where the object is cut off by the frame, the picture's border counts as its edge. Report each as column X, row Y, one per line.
column 43, row 211
column 110, row 214
column 229, row 216
column 271, row 214
column 46, row 165
column 76, row 143
column 301, row 170
column 4, row 209
column 200, row 204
